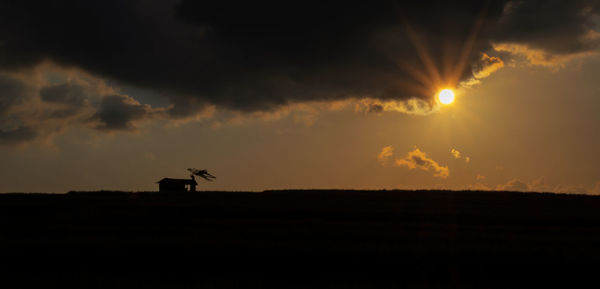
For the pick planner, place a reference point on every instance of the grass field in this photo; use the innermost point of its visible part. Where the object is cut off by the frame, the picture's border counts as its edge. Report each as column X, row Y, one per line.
column 300, row 239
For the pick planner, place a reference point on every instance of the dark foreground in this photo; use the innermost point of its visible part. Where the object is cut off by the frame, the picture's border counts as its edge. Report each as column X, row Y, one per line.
column 300, row 239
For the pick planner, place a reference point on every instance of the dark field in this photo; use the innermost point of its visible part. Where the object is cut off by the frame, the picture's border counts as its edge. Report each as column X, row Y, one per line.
column 300, row 239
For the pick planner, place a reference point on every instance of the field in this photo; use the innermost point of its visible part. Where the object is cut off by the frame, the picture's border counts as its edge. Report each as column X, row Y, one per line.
column 300, row 239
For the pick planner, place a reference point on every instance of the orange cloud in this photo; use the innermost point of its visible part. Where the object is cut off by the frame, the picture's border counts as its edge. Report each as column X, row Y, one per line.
column 458, row 155
column 487, row 65
column 418, row 159
column 414, row 106
column 514, row 185
column 540, row 57
column 385, row 154
column 455, row 153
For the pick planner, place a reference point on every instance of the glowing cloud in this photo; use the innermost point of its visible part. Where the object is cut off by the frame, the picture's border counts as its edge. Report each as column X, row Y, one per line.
column 487, row 65
column 539, row 57
column 455, row 153
column 385, row 154
column 418, row 159
column 412, row 106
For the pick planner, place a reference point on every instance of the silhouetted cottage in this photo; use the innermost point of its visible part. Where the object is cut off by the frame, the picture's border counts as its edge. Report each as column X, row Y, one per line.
column 177, row 185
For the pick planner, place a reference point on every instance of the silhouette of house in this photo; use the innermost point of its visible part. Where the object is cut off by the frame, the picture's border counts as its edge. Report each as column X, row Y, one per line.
column 177, row 185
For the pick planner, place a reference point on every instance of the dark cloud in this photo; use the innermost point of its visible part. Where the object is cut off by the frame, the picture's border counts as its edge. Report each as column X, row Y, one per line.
column 118, row 112
column 556, row 26
column 29, row 113
column 259, row 55
column 12, row 92
column 71, row 98
column 22, row 119
column 65, row 93
column 17, row 136
column 185, row 106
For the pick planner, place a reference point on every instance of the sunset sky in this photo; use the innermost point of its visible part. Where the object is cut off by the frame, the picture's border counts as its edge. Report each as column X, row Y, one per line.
column 116, row 95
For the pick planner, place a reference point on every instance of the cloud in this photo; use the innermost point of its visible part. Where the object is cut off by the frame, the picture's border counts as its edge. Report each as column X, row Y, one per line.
column 237, row 60
column 540, row 57
column 548, row 33
column 556, row 27
column 418, row 159
column 480, row 177
column 455, row 153
column 263, row 55
column 118, row 112
column 12, row 91
column 64, row 100
column 478, row 187
column 540, row 185
column 17, row 136
column 35, row 107
column 32, row 108
column 514, row 185
column 64, row 93
column 572, row 189
column 415, row 159
column 486, row 66
column 386, row 153
column 412, row 106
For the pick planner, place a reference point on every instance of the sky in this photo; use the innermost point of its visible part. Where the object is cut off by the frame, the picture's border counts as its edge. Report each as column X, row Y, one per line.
column 116, row 95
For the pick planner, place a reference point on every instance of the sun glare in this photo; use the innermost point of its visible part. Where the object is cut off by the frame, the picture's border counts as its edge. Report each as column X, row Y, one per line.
column 446, row 96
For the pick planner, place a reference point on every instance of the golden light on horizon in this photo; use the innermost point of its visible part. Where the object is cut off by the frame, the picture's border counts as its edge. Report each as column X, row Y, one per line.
column 446, row 96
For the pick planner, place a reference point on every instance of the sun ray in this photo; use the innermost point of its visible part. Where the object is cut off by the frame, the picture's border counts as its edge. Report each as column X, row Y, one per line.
column 419, row 75
column 463, row 59
column 453, row 63
column 424, row 55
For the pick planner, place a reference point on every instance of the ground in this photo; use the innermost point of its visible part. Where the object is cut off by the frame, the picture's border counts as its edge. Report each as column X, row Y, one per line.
column 299, row 239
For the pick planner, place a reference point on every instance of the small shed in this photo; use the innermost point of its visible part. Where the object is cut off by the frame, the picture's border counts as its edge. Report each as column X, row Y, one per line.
column 177, row 185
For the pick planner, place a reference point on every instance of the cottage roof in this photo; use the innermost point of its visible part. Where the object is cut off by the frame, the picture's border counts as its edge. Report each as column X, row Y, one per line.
column 178, row 181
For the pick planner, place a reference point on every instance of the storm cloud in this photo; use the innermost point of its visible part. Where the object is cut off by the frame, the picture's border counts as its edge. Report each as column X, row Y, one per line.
column 253, row 56
column 65, row 93
column 17, row 135
column 13, row 92
column 117, row 112
column 31, row 108
column 552, row 25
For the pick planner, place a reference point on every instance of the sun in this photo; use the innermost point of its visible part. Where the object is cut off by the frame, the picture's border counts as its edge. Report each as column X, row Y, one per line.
column 446, row 96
